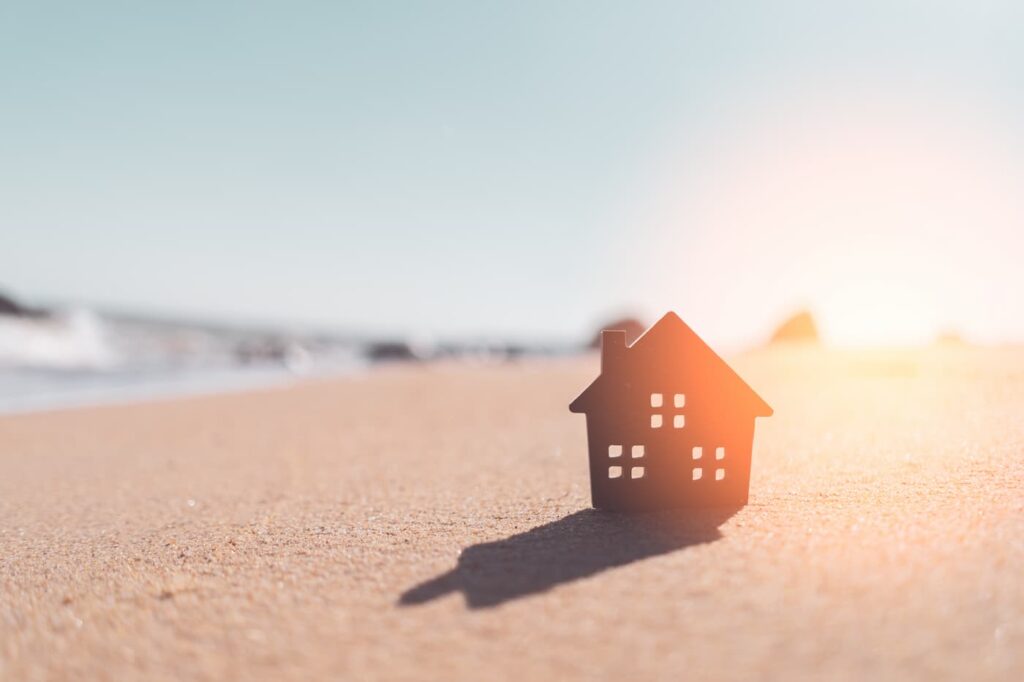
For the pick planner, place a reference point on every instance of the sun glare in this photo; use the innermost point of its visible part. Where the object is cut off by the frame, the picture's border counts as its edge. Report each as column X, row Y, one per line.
column 877, row 313
column 890, row 222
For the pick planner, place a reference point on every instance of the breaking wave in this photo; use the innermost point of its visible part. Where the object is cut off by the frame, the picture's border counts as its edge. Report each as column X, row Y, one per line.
column 72, row 339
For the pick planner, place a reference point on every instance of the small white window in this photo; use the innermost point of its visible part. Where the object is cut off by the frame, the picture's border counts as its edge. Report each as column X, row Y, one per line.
column 697, row 473
column 637, row 472
column 678, row 421
column 719, row 474
column 614, row 472
column 680, row 400
column 615, row 451
column 656, row 400
column 698, row 452
column 638, row 451
column 719, row 453
column 655, row 421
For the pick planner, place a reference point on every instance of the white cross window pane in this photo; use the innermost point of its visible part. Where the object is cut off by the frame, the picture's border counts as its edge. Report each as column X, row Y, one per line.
column 719, row 474
column 697, row 473
column 614, row 472
column 656, row 400
column 615, row 451
column 655, row 421
column 637, row 472
column 698, row 452
column 719, row 453
column 678, row 421
column 638, row 451
column 680, row 400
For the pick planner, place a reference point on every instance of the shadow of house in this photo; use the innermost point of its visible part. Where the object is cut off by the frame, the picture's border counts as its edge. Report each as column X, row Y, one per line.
column 577, row 546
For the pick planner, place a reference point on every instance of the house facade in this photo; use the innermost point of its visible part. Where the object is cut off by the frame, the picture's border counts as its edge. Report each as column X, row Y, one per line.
column 669, row 423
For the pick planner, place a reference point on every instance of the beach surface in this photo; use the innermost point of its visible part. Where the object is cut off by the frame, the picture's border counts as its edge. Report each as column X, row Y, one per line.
column 433, row 522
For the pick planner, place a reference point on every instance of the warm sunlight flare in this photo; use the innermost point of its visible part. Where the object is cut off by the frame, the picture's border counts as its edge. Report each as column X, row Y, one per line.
column 878, row 312
column 890, row 222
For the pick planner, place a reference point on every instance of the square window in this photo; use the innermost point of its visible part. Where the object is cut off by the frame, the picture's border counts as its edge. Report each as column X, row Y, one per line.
column 655, row 421
column 697, row 473
column 719, row 474
column 656, row 400
column 678, row 421
column 615, row 451
column 636, row 472
column 614, row 472
column 638, row 451
column 719, row 453
column 679, row 400
column 698, row 452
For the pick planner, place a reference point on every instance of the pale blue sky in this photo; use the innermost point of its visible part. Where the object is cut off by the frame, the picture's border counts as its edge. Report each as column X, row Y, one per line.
column 518, row 168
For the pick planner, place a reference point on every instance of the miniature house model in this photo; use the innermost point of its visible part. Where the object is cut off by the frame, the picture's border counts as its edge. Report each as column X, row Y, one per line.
column 669, row 423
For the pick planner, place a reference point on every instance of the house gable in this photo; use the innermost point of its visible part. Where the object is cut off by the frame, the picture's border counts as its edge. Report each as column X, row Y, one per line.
column 673, row 350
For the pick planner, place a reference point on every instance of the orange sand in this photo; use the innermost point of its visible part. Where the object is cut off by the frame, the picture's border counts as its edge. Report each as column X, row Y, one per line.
column 315, row 532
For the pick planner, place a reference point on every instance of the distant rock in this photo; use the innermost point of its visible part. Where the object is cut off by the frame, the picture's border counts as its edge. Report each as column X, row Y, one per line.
column 801, row 327
column 8, row 306
column 631, row 325
column 288, row 352
column 950, row 338
column 391, row 351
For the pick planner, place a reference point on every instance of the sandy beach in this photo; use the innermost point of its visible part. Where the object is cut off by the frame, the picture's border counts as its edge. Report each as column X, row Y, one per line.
column 433, row 522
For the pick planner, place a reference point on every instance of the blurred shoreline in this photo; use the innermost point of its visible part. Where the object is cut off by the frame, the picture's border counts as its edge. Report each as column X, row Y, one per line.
column 77, row 356
column 74, row 357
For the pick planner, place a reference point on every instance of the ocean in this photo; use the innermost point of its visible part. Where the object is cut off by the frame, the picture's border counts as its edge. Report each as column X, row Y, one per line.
column 78, row 357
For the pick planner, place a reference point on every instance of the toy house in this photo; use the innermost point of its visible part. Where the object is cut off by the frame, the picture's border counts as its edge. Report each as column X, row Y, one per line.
column 669, row 423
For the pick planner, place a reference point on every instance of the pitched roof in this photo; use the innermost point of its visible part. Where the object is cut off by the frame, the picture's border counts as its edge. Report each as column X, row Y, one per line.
column 671, row 346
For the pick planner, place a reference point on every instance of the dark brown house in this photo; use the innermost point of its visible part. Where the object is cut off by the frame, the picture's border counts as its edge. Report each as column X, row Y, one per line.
column 669, row 423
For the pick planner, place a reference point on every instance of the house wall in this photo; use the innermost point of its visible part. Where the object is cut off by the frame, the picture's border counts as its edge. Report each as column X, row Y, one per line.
column 667, row 460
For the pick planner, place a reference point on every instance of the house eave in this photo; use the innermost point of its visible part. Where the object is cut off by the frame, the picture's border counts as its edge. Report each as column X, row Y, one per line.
column 579, row 405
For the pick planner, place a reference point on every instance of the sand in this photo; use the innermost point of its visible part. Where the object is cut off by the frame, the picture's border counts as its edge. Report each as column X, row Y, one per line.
column 316, row 531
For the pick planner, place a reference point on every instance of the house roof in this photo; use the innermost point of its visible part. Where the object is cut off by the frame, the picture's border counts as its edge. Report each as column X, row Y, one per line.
column 671, row 347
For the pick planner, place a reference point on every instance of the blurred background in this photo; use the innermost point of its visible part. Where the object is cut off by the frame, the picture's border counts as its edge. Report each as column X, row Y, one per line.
column 197, row 195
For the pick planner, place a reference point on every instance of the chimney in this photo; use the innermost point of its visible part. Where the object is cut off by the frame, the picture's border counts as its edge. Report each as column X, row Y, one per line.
column 613, row 349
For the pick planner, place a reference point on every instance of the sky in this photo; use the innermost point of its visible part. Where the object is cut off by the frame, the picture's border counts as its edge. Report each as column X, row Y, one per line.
column 520, row 169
